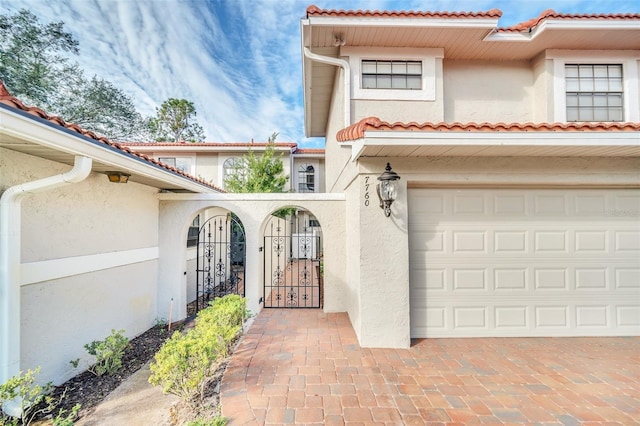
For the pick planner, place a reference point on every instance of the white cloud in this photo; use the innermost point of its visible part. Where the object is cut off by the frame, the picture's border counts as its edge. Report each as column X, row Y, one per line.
column 239, row 61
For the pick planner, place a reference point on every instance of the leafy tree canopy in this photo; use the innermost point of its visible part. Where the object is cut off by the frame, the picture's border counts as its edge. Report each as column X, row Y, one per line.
column 33, row 56
column 253, row 173
column 175, row 122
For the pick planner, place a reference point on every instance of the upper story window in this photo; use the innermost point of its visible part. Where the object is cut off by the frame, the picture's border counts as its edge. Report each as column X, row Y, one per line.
column 182, row 164
column 232, row 166
column 306, row 178
column 383, row 73
column 379, row 74
column 594, row 92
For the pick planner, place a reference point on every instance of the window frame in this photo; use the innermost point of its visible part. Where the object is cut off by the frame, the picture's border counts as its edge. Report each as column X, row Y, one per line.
column 428, row 57
column 594, row 93
column 629, row 61
column 306, row 172
column 185, row 164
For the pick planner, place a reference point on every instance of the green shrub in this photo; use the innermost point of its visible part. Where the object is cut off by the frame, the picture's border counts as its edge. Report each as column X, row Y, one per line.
column 185, row 361
column 217, row 421
column 34, row 400
column 108, row 353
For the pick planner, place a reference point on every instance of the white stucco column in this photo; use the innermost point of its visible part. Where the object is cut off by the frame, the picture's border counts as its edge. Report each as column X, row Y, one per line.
column 384, row 270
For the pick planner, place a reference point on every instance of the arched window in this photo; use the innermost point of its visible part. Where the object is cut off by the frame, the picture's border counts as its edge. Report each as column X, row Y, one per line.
column 306, row 178
column 232, row 166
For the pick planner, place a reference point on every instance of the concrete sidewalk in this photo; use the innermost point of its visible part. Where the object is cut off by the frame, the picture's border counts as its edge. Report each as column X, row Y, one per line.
column 134, row 403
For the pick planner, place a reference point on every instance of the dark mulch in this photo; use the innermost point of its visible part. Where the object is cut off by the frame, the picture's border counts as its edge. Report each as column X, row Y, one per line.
column 89, row 390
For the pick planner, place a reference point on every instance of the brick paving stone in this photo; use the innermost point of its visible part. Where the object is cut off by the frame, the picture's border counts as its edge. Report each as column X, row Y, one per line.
column 305, row 366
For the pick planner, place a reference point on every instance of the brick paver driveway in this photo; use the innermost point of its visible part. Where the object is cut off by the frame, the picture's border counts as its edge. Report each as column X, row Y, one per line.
column 306, row 367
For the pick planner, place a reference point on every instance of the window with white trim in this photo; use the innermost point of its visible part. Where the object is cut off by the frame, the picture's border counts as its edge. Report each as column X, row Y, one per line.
column 232, row 166
column 392, row 74
column 306, row 178
column 594, row 92
column 182, row 164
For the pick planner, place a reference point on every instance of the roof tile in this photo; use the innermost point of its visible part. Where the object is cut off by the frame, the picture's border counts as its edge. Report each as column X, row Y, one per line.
column 552, row 14
column 7, row 99
column 357, row 130
column 314, row 10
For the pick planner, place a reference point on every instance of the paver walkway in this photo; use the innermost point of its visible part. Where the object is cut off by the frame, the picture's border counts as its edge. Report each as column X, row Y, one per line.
column 306, row 367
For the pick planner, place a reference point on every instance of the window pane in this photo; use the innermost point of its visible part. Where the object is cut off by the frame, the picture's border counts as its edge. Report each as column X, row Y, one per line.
column 572, row 114
column 615, row 114
column 572, row 100
column 414, row 68
column 601, row 85
column 586, row 85
column 600, row 100
column 573, row 85
column 600, row 114
column 399, row 68
column 586, row 115
column 615, row 85
column 384, row 67
column 586, row 71
column 414, row 82
column 615, row 71
column 571, row 71
column 384, row 82
column 399, row 82
column 615, row 100
column 368, row 67
column 600, row 71
column 368, row 81
column 171, row 161
column 585, row 100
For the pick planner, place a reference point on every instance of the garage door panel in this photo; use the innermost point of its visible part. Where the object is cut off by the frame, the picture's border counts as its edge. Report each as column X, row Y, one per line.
column 524, row 263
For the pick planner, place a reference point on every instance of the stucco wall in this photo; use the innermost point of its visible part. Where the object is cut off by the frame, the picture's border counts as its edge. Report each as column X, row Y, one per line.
column 254, row 210
column 88, row 262
column 487, row 91
column 336, row 157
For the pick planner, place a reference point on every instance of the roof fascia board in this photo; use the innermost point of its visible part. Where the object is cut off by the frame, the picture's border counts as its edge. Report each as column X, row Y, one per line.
column 196, row 148
column 403, row 22
column 560, row 24
column 36, row 130
column 500, row 138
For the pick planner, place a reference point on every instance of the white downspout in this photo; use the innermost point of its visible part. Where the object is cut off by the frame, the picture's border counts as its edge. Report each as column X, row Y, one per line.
column 347, row 79
column 10, row 266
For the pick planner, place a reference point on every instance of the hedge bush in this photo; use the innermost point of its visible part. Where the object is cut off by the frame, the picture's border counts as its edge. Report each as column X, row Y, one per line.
column 186, row 360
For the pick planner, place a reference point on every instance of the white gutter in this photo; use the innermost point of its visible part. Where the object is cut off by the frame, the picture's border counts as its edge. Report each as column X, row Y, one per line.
column 10, row 266
column 347, row 79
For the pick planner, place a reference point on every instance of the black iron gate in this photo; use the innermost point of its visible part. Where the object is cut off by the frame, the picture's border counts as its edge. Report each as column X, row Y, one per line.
column 292, row 265
column 220, row 262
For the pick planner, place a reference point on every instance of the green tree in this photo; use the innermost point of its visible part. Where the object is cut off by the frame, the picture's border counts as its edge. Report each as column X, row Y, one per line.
column 35, row 67
column 263, row 173
column 175, row 122
column 32, row 56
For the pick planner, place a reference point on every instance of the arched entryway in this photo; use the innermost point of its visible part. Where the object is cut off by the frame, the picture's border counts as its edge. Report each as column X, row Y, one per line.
column 218, row 267
column 293, row 260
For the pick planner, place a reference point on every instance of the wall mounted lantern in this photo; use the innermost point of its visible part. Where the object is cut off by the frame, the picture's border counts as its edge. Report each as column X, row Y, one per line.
column 118, row 177
column 387, row 189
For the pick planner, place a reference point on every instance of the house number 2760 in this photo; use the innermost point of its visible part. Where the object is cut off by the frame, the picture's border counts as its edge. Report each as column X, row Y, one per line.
column 366, row 191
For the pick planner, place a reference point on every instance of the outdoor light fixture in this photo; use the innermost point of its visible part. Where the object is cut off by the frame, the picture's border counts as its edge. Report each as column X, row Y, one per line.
column 387, row 189
column 118, row 177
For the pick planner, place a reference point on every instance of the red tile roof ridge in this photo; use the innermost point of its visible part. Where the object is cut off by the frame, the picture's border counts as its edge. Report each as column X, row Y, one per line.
column 13, row 102
column 357, row 130
column 310, row 151
column 314, row 10
column 552, row 14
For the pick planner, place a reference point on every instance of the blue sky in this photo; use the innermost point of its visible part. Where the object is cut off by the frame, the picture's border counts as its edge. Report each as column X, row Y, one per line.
column 238, row 61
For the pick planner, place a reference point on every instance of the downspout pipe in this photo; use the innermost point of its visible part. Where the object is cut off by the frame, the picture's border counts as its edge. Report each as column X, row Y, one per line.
column 10, row 216
column 347, row 79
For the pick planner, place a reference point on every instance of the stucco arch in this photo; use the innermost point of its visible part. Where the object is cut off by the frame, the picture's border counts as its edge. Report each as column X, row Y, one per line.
column 177, row 212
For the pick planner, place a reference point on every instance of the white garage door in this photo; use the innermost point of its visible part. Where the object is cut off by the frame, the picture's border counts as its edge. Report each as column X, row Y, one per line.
column 525, row 262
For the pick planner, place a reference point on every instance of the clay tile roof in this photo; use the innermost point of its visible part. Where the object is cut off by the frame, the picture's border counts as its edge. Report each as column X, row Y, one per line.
column 314, row 10
column 356, row 131
column 309, row 151
column 552, row 14
column 7, row 99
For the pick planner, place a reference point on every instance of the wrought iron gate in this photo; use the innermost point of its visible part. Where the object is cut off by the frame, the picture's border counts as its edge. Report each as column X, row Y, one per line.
column 220, row 262
column 292, row 265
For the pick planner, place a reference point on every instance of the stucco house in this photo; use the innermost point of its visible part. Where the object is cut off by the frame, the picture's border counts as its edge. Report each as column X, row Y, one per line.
column 517, row 211
column 518, row 208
